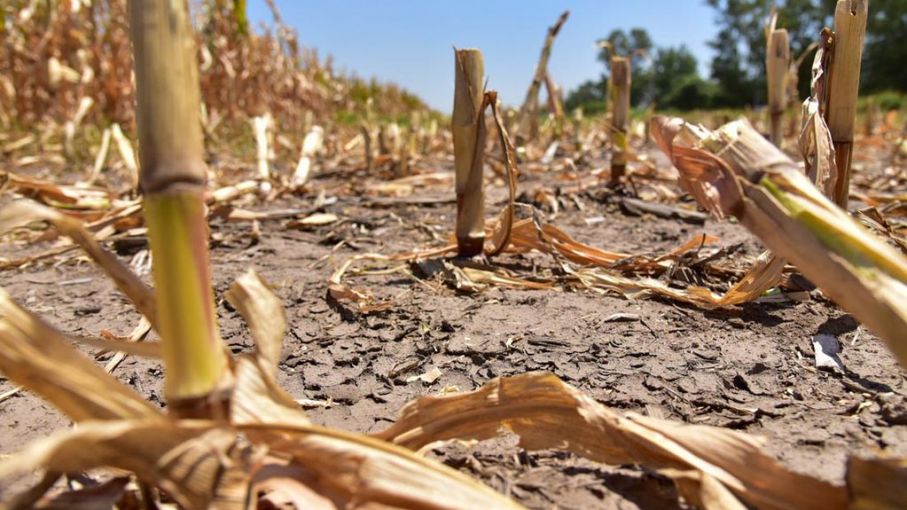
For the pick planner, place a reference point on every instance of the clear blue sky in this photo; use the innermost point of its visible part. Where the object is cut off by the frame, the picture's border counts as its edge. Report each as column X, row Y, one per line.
column 409, row 41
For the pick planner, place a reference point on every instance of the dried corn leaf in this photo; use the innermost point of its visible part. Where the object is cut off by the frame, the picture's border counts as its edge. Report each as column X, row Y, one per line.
column 548, row 413
column 405, row 185
column 362, row 301
column 194, row 462
column 815, row 141
column 763, row 275
column 258, row 399
column 877, row 484
column 501, row 230
column 471, row 278
column 37, row 356
column 263, row 312
column 70, row 197
column 356, row 471
column 202, row 465
column 702, row 490
column 22, row 212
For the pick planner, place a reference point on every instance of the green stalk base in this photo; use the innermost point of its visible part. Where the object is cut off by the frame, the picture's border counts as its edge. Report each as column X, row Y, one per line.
column 194, row 358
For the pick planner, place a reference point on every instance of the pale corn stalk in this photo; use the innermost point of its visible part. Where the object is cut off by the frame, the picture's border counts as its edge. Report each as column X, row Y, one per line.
column 734, row 170
column 577, row 121
column 173, row 181
column 100, row 158
column 69, row 129
column 261, row 126
column 777, row 64
column 311, row 145
column 844, row 85
column 555, row 105
column 468, row 126
column 127, row 154
column 619, row 91
column 528, row 116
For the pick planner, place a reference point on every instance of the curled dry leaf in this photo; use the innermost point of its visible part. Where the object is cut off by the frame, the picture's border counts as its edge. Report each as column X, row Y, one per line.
column 194, row 462
column 72, row 197
column 545, row 413
column 313, row 220
column 363, row 302
column 501, row 229
column 815, row 141
column 355, row 471
column 258, row 399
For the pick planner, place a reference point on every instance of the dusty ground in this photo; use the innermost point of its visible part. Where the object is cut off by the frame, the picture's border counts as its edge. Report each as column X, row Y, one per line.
column 748, row 368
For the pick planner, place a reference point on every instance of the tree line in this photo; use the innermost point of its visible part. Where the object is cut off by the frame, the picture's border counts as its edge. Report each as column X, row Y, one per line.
column 669, row 78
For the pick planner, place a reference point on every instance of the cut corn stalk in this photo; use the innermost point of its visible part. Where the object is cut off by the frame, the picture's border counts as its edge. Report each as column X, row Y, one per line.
column 173, row 180
column 468, row 126
column 738, row 172
column 844, row 85
column 619, row 91
column 777, row 65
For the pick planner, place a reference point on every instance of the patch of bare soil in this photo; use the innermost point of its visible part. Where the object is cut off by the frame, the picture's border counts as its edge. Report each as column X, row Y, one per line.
column 749, row 367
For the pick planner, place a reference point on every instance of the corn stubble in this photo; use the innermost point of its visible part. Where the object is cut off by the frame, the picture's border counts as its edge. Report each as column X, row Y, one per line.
column 469, row 135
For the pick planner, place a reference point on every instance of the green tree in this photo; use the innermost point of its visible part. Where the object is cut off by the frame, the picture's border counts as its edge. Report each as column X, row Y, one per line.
column 885, row 54
column 735, row 86
column 590, row 96
column 677, row 83
column 669, row 66
column 739, row 63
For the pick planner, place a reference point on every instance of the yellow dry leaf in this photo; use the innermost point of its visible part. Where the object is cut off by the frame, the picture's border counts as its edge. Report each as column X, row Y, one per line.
column 546, row 413
column 40, row 358
column 263, row 312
